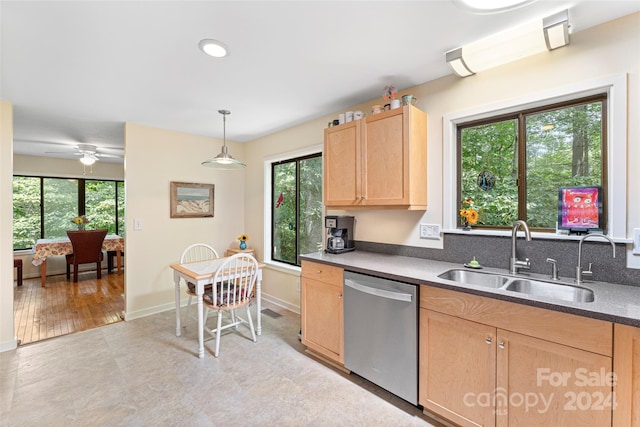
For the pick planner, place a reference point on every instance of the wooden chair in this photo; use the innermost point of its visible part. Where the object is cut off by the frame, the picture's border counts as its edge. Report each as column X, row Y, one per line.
column 233, row 284
column 87, row 248
column 17, row 264
column 194, row 253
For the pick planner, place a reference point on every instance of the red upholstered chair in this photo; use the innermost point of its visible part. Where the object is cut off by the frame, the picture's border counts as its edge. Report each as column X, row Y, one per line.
column 87, row 248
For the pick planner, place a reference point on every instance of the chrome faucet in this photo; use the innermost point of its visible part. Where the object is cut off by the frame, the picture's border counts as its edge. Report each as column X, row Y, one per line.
column 579, row 273
column 514, row 263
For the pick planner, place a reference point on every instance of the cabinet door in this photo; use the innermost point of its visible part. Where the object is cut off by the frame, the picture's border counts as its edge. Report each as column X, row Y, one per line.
column 385, row 159
column 342, row 173
column 457, row 368
column 626, row 364
column 541, row 383
column 322, row 318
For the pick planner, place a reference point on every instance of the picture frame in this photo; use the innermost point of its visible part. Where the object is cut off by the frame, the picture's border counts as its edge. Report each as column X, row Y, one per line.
column 580, row 209
column 191, row 200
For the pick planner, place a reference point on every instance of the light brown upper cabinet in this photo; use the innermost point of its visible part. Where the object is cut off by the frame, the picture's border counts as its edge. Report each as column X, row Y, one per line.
column 377, row 162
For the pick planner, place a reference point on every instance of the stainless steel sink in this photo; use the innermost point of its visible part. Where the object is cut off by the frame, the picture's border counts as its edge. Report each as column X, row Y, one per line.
column 551, row 290
column 474, row 278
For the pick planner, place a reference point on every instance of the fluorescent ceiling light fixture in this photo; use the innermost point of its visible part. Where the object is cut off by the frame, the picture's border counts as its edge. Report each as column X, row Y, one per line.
column 491, row 6
column 214, row 48
column 556, row 30
column 88, row 159
column 525, row 40
column 224, row 160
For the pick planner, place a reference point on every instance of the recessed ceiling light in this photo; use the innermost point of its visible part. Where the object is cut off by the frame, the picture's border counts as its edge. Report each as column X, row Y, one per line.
column 491, row 6
column 212, row 47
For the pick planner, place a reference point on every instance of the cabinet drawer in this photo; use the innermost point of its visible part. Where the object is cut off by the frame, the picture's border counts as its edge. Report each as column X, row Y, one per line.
column 322, row 272
column 569, row 329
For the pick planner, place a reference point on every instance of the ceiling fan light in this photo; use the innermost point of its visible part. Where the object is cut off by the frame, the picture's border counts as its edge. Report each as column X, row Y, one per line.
column 88, row 159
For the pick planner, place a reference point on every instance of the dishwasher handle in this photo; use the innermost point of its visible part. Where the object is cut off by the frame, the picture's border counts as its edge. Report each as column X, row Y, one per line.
column 378, row 292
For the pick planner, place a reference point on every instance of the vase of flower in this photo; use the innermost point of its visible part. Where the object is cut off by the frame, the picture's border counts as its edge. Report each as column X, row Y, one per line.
column 243, row 241
column 80, row 222
column 468, row 214
column 389, row 94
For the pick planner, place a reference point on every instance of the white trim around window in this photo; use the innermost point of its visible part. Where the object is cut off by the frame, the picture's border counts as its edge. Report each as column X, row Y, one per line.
column 616, row 88
column 268, row 161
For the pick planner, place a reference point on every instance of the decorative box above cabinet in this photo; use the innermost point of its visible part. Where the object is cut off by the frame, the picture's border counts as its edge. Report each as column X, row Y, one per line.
column 377, row 162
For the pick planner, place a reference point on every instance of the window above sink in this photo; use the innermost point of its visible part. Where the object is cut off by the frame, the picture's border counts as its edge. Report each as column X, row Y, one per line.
column 615, row 181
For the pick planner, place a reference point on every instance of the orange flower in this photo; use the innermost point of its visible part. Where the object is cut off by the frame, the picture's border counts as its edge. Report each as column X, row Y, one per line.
column 472, row 216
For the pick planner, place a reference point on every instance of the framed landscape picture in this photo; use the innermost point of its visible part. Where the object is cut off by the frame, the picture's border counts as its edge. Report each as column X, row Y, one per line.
column 189, row 200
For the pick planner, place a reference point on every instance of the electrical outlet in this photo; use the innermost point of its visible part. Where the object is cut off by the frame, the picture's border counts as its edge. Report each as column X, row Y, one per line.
column 430, row 231
column 636, row 241
column 137, row 224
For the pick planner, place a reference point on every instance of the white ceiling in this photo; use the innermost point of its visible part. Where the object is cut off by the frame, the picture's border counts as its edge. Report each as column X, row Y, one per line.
column 75, row 71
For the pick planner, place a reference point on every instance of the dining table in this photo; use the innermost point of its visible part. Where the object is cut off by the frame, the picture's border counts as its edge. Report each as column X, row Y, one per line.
column 45, row 248
column 201, row 273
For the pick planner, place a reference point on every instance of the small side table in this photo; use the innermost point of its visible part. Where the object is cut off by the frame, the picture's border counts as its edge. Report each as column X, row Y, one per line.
column 233, row 251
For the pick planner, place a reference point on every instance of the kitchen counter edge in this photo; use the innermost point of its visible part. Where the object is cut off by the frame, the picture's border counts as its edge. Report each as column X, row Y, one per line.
column 612, row 302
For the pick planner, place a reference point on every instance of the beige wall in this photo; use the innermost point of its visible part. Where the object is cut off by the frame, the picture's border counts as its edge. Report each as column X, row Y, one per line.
column 7, row 334
column 154, row 157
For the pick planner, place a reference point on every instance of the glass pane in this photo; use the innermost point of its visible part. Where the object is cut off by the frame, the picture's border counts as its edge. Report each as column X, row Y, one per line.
column 284, row 212
column 311, row 227
column 100, row 204
column 26, row 211
column 489, row 171
column 564, row 148
column 121, row 217
column 60, row 206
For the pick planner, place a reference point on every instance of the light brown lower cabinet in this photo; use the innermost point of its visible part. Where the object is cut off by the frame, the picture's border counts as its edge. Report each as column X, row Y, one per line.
column 474, row 371
column 322, row 313
column 626, row 364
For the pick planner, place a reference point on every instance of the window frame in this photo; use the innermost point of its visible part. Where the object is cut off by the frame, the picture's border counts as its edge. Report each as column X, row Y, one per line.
column 616, row 88
column 268, row 218
column 520, row 117
column 81, row 197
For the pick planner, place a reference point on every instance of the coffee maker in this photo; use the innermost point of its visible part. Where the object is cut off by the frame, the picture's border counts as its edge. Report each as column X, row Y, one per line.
column 340, row 234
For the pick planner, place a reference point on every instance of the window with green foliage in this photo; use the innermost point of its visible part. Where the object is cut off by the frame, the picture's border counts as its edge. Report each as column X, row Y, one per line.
column 44, row 207
column 512, row 166
column 296, row 208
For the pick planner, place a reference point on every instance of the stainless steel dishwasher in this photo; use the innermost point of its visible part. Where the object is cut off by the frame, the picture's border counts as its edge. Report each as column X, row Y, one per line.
column 381, row 333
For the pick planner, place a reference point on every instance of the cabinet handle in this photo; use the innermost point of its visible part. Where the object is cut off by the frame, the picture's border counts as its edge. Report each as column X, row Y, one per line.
column 488, row 340
column 501, row 345
column 319, row 272
column 339, row 296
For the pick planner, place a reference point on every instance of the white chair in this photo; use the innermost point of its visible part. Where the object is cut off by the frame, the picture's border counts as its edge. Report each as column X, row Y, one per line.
column 194, row 253
column 233, row 284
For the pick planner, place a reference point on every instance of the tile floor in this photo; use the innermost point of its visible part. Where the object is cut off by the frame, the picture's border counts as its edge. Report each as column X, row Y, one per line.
column 138, row 373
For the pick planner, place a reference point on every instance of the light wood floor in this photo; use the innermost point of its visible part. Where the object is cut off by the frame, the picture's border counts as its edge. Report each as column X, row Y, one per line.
column 64, row 307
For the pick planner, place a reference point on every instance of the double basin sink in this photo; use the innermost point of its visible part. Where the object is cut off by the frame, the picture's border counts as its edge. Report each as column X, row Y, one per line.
column 535, row 288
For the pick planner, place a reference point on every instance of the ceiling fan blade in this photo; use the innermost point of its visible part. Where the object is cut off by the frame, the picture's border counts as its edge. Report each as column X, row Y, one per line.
column 63, row 152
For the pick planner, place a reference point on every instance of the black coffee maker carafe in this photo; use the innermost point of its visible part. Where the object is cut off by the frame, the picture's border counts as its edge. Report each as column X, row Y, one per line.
column 340, row 234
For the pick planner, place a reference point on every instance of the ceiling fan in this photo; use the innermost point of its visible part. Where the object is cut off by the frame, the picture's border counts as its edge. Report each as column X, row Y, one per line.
column 88, row 153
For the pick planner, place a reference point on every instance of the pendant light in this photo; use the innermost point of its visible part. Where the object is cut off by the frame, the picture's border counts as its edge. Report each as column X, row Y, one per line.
column 224, row 160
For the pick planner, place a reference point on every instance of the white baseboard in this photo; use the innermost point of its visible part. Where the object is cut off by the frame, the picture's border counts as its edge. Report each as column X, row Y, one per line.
column 8, row 345
column 171, row 306
column 280, row 303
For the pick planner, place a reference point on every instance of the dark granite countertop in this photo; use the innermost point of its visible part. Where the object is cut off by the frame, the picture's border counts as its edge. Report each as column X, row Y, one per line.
column 612, row 302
